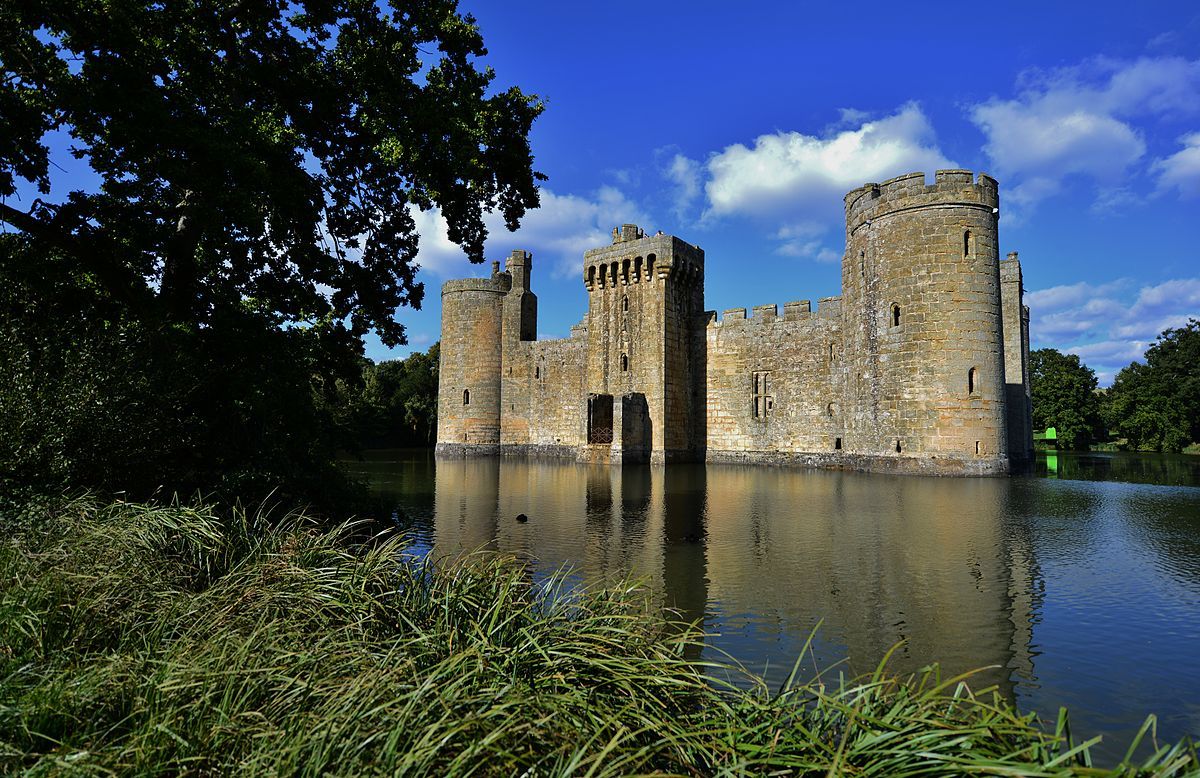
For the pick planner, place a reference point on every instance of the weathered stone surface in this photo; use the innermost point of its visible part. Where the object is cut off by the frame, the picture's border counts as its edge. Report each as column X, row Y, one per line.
column 920, row 366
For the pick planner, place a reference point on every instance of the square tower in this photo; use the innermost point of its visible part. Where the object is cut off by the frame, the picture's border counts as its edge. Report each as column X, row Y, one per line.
column 645, row 331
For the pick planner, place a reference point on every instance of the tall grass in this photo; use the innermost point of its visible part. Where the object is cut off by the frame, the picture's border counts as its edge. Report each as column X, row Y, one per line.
column 178, row 640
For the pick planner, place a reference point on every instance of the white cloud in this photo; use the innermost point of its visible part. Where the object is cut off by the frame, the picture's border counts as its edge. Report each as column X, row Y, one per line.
column 805, row 241
column 557, row 233
column 795, row 182
column 1058, row 298
column 684, row 174
column 1181, row 170
column 789, row 172
column 1100, row 324
column 1077, row 121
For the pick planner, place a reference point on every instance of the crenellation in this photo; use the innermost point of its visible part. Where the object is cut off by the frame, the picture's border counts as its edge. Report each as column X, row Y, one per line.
column 920, row 365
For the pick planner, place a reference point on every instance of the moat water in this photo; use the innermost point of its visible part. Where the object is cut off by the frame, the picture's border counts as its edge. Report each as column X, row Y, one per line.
column 1068, row 587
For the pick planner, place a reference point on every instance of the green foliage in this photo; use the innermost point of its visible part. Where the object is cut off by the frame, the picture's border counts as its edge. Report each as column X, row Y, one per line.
column 172, row 640
column 258, row 150
column 395, row 403
column 1156, row 406
column 185, row 321
column 1064, row 397
column 97, row 397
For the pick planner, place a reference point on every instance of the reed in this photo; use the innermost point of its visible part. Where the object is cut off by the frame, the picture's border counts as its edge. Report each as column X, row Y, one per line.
column 168, row 640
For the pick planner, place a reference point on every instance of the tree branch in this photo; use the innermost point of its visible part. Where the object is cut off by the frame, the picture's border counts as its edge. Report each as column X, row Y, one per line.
column 85, row 257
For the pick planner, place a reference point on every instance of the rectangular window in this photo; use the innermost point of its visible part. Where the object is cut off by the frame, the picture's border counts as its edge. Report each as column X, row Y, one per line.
column 764, row 401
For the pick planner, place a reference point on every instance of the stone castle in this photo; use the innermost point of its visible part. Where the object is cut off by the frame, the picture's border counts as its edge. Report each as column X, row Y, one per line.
column 920, row 366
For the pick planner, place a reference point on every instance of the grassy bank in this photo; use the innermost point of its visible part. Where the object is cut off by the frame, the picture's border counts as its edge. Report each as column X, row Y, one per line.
column 166, row 641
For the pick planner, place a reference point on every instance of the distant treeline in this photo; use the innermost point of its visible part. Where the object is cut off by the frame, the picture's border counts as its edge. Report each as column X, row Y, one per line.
column 1151, row 406
column 395, row 404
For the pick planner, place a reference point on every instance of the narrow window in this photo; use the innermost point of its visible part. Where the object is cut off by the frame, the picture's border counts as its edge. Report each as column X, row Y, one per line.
column 862, row 264
column 895, row 315
column 831, row 410
column 837, row 444
column 624, row 363
column 966, row 243
column 466, row 396
column 897, row 446
column 591, row 275
column 537, row 372
column 972, row 381
column 763, row 401
column 625, row 303
column 650, row 267
column 831, row 353
column 978, row 448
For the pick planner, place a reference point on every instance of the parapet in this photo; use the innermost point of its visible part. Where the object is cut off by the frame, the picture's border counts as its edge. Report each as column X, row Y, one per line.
column 626, row 233
column 949, row 187
column 635, row 257
column 498, row 283
column 799, row 310
column 1010, row 269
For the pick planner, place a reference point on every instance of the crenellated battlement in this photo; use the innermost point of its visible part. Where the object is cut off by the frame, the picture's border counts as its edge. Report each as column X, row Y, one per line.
column 950, row 187
column 798, row 310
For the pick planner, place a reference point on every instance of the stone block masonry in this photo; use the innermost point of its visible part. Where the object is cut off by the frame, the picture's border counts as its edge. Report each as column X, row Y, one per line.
column 920, row 366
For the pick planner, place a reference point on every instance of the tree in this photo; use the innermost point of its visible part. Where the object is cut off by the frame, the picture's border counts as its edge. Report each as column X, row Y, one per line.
column 185, row 321
column 398, row 402
column 1064, row 397
column 259, row 149
column 1156, row 405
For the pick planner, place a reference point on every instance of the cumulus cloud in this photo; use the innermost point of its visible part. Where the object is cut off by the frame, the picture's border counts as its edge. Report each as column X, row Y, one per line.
column 1079, row 121
column 1098, row 322
column 557, row 233
column 1181, row 170
column 787, row 172
column 795, row 182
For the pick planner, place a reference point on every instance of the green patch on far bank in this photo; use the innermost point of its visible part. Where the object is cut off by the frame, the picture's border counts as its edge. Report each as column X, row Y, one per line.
column 171, row 640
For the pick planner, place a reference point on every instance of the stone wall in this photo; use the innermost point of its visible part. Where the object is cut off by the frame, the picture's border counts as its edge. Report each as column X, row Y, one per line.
column 471, row 359
column 775, row 383
column 921, row 365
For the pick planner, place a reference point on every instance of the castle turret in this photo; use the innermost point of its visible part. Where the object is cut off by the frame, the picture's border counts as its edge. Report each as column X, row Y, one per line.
column 922, row 322
column 519, row 331
column 1016, row 363
column 469, row 381
column 645, row 342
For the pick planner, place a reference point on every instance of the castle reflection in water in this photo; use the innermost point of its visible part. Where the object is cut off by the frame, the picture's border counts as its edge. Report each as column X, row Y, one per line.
column 759, row 560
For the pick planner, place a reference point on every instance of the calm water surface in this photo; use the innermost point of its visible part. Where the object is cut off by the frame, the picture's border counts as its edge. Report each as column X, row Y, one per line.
column 1084, row 593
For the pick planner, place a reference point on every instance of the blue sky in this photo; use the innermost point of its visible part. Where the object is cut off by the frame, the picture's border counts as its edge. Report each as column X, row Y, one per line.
column 739, row 128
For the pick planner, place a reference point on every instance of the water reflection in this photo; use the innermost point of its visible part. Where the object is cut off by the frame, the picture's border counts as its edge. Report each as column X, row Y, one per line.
column 1128, row 466
column 1086, row 594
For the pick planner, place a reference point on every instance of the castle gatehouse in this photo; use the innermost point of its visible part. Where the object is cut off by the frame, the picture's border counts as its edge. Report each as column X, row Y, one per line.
column 920, row 366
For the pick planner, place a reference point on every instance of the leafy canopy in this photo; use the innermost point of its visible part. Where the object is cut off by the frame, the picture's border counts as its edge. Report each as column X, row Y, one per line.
column 1156, row 405
column 1064, row 397
column 258, row 152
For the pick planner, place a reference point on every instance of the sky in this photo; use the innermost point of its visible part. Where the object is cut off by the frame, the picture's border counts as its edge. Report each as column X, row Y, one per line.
column 739, row 128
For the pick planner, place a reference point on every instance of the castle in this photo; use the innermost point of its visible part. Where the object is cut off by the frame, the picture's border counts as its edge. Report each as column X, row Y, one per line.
column 920, row 366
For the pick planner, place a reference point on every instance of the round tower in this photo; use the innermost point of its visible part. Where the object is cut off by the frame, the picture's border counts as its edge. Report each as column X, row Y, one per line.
column 471, row 363
column 922, row 323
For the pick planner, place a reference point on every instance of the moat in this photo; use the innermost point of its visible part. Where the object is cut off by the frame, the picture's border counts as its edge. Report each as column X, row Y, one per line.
column 1083, row 593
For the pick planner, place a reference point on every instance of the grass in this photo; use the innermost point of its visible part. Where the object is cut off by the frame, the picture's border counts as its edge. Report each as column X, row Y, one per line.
column 177, row 640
